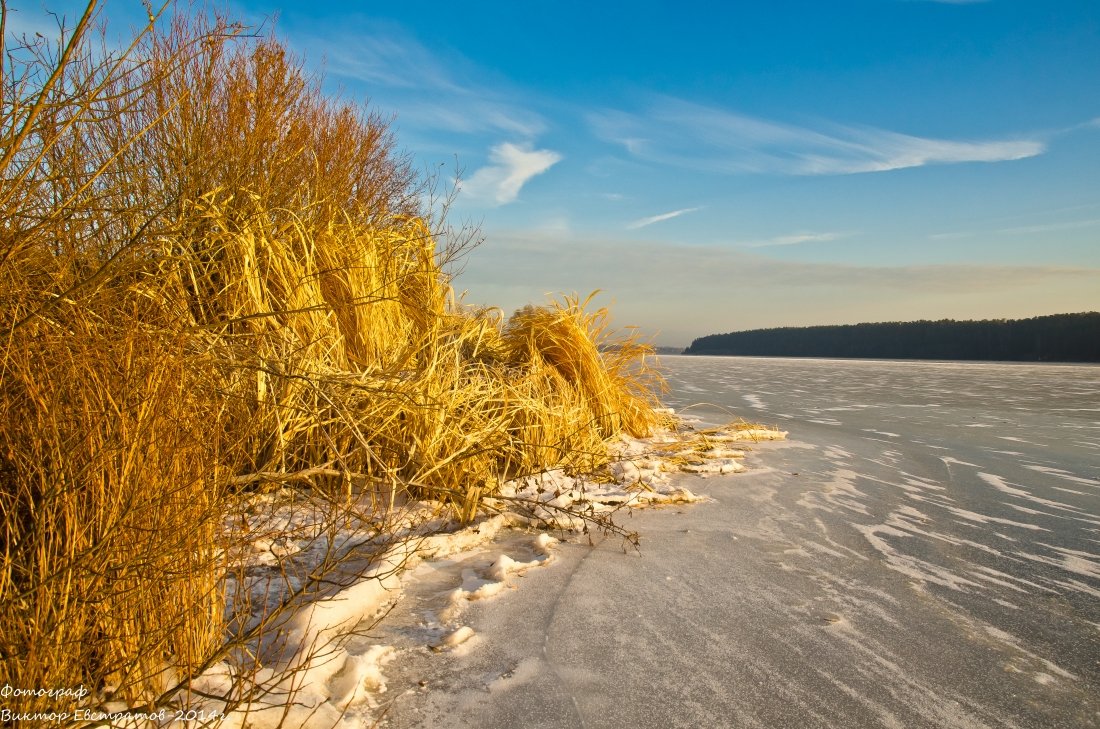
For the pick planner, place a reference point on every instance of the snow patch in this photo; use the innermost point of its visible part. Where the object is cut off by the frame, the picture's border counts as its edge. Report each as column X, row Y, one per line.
column 313, row 575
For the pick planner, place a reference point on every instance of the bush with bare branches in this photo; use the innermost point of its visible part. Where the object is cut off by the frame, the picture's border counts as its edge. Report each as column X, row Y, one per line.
column 214, row 280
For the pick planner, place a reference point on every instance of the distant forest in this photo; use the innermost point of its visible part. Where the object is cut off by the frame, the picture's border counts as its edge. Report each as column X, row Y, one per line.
column 1058, row 338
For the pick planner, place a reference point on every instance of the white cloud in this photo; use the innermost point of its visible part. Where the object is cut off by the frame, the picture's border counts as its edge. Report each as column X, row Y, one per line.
column 643, row 222
column 690, row 290
column 436, row 89
column 512, row 166
column 791, row 240
column 1021, row 230
column 683, row 134
column 467, row 114
column 386, row 55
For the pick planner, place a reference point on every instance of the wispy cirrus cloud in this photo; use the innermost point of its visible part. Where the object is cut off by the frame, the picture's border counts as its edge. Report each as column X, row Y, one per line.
column 1021, row 229
column 511, row 166
column 705, row 288
column 643, row 222
column 620, row 264
column 432, row 89
column 792, row 240
column 693, row 136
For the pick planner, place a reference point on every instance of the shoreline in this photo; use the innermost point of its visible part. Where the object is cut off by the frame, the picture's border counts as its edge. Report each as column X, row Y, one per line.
column 904, row 564
column 1012, row 362
column 645, row 475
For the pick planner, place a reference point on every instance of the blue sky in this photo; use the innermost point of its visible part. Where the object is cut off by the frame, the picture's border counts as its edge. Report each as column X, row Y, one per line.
column 720, row 166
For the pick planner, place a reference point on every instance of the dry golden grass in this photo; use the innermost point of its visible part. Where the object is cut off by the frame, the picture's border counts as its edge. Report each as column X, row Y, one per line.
column 614, row 384
column 214, row 278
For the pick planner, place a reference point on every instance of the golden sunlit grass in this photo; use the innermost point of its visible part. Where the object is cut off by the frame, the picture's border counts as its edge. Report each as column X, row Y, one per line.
column 213, row 278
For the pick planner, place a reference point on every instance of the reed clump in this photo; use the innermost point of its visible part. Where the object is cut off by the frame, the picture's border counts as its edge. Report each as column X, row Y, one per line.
column 214, row 278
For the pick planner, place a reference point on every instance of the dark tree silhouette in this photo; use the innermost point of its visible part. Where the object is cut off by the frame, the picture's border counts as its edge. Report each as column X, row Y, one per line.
column 1057, row 338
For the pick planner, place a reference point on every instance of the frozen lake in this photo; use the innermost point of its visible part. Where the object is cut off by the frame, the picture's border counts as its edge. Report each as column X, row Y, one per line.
column 923, row 552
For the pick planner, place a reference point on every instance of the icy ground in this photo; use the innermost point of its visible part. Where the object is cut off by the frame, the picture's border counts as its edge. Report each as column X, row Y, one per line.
column 311, row 587
column 923, row 552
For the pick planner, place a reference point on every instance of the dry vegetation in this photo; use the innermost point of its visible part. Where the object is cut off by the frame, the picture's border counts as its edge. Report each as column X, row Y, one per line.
column 214, row 279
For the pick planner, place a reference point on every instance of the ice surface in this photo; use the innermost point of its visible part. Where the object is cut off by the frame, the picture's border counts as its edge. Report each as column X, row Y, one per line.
column 842, row 581
column 925, row 576
column 310, row 584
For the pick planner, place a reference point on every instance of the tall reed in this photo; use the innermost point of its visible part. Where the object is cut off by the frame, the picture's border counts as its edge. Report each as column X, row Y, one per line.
column 212, row 278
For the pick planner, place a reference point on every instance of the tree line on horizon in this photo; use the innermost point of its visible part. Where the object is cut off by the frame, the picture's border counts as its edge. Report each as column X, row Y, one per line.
column 1055, row 338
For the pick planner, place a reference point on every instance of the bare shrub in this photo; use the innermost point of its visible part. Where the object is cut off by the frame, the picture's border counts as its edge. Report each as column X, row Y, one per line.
column 214, row 280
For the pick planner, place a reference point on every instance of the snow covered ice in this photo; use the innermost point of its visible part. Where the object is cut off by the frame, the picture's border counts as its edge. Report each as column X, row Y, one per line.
column 320, row 661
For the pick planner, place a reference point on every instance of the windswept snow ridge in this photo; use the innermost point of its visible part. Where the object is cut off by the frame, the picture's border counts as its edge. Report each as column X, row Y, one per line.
column 311, row 585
